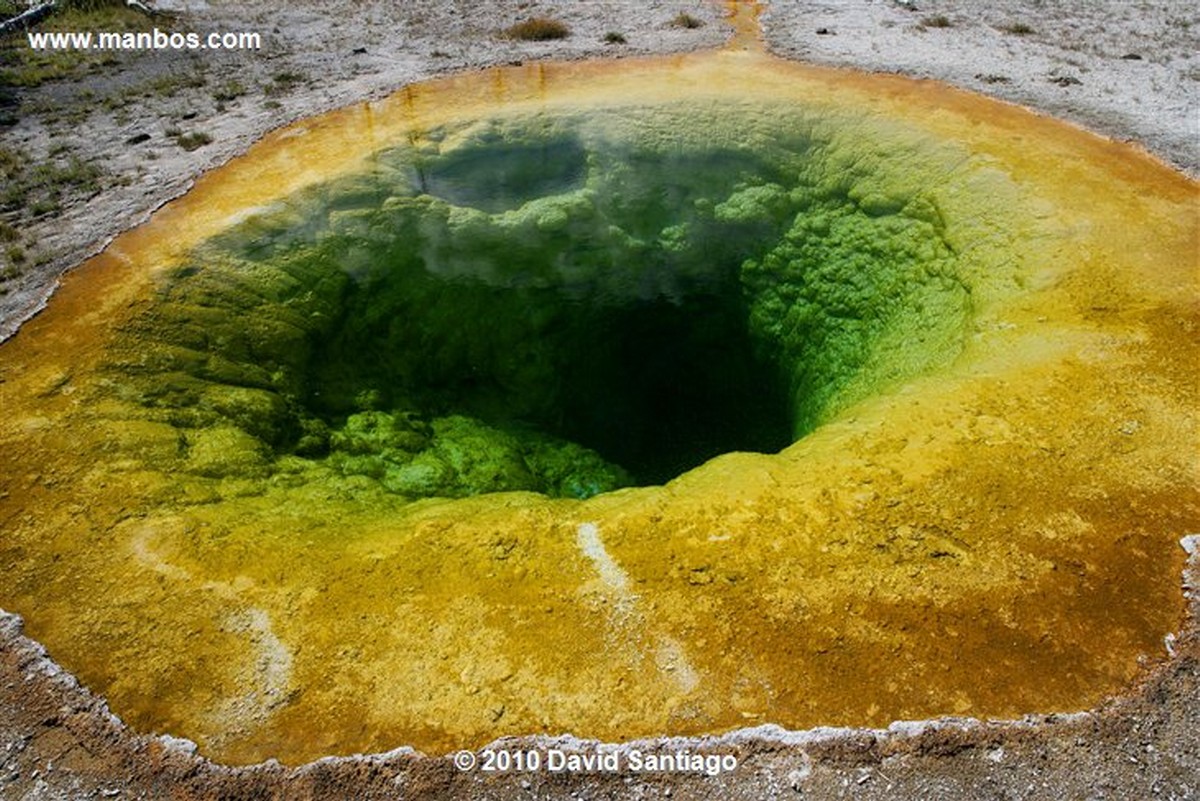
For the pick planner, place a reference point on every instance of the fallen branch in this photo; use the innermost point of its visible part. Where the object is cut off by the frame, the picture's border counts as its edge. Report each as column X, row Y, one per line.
column 26, row 18
column 142, row 7
column 38, row 13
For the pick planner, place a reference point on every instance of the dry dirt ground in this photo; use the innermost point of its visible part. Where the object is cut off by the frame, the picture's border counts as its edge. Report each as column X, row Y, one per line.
column 1130, row 70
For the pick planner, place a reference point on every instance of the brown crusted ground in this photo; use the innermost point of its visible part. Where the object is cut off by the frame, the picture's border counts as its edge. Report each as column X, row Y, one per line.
column 60, row 742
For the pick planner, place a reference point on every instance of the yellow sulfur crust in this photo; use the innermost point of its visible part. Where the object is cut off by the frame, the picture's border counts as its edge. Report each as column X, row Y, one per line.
column 994, row 537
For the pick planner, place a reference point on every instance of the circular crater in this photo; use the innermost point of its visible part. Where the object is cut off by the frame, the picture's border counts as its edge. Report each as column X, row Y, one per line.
column 566, row 306
column 620, row 400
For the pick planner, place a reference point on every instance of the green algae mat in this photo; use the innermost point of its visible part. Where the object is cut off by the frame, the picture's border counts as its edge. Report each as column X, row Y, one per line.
column 653, row 397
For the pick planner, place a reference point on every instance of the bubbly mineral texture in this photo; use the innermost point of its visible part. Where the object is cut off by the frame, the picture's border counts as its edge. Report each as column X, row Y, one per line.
column 565, row 304
column 659, row 397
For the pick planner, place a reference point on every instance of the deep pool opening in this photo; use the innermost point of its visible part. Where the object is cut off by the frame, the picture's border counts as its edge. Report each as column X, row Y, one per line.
column 655, row 386
column 566, row 306
column 675, row 385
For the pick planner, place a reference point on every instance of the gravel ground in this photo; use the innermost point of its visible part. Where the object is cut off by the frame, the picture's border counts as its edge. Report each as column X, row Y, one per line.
column 1130, row 71
column 1076, row 61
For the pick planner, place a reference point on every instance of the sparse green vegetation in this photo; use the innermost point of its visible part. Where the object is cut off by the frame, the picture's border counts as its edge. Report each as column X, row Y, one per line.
column 683, row 20
column 77, row 173
column 22, row 66
column 8, row 233
column 7, row 273
column 1017, row 29
column 231, row 90
column 614, row 37
column 937, row 21
column 88, row 6
column 10, row 163
column 170, row 85
column 282, row 83
column 16, row 254
column 38, row 188
column 538, row 29
column 193, row 140
column 115, row 101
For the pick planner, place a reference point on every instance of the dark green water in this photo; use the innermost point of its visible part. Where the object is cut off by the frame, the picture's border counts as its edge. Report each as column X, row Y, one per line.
column 565, row 305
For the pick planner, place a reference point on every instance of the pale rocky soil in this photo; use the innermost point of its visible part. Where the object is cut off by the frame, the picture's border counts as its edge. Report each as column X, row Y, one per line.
column 58, row 742
column 1128, row 70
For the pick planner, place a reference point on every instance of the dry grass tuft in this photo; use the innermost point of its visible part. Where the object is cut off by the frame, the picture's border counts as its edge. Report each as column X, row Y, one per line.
column 1017, row 28
column 538, row 29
